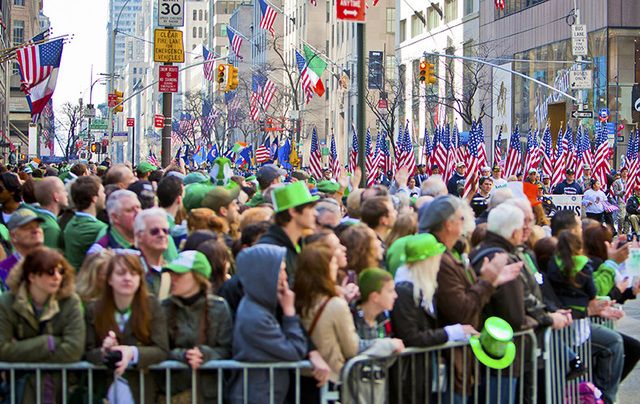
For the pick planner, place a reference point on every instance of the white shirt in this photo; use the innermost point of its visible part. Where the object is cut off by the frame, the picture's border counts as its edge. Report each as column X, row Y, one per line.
column 593, row 201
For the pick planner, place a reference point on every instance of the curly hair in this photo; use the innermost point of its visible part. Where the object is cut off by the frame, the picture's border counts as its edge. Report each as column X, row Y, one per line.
column 359, row 240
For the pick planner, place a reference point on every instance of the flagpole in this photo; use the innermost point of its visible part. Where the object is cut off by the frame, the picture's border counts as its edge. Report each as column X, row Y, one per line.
column 324, row 56
column 236, row 32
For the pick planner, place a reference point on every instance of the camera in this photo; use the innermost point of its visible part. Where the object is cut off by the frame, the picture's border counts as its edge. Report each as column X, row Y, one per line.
column 111, row 358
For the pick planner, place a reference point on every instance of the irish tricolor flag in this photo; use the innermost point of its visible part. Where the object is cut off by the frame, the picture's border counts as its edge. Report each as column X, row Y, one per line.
column 315, row 67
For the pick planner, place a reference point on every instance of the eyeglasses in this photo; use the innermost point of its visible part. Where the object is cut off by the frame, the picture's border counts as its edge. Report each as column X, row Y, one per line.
column 157, row 230
column 52, row 271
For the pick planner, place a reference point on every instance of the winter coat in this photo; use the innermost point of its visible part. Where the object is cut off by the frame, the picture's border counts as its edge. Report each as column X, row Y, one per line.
column 633, row 205
column 257, row 334
column 148, row 355
column 276, row 236
column 188, row 328
column 576, row 295
column 564, row 188
column 56, row 336
column 454, row 183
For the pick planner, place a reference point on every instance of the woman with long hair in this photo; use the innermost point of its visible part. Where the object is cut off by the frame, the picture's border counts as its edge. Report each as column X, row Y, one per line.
column 92, row 276
column 199, row 322
column 126, row 326
column 364, row 249
column 325, row 314
column 41, row 318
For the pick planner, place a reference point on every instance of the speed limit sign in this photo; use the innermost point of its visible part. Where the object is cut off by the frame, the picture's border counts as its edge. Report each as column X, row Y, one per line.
column 170, row 13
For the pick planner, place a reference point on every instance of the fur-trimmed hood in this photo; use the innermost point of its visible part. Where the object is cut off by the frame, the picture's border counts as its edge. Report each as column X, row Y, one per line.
column 15, row 283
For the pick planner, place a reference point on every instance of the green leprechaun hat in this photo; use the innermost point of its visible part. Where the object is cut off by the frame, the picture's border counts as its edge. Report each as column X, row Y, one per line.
column 494, row 347
column 291, row 195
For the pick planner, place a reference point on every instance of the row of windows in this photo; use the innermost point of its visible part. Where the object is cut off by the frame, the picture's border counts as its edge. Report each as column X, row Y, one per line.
column 198, row 32
column 433, row 18
column 515, row 6
column 197, row 15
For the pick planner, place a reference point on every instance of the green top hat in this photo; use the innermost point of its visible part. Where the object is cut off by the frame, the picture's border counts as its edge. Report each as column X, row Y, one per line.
column 494, row 348
column 423, row 246
column 190, row 261
column 291, row 195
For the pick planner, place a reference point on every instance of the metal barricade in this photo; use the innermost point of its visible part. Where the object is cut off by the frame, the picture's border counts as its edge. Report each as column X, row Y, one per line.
column 167, row 367
column 433, row 374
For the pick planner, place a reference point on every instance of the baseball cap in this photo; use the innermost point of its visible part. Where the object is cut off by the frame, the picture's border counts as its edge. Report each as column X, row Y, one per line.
column 145, row 167
column 586, row 167
column 460, row 164
column 533, row 171
column 190, row 261
column 144, row 191
column 267, row 173
column 569, row 171
column 219, row 197
column 21, row 217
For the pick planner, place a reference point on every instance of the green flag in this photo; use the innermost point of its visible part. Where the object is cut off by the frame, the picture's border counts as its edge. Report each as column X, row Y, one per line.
column 315, row 67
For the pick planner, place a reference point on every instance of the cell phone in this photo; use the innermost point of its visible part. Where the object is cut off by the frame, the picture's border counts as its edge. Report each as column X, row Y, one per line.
column 351, row 276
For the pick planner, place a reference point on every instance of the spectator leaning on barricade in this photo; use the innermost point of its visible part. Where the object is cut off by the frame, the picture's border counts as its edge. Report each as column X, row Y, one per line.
column 52, row 197
column 199, row 323
column 26, row 235
column 126, row 327
column 82, row 230
column 151, row 230
column 41, row 320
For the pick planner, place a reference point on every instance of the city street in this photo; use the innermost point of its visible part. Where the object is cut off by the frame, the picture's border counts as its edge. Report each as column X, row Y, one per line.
column 630, row 324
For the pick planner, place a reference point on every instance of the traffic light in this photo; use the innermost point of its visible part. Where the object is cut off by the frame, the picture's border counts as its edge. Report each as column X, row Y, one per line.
column 94, row 147
column 423, row 71
column 431, row 74
column 232, row 79
column 120, row 107
column 222, row 70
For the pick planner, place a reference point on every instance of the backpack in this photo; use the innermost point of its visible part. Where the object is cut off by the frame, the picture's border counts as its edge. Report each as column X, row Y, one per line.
column 589, row 393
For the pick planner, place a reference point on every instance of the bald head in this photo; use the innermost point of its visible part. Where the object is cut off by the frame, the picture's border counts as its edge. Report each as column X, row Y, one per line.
column 50, row 192
column 119, row 175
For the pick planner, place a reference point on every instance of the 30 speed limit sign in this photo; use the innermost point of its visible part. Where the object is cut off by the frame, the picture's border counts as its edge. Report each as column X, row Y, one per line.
column 171, row 13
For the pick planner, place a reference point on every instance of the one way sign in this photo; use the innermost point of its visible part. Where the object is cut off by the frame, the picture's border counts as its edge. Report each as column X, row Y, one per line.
column 582, row 114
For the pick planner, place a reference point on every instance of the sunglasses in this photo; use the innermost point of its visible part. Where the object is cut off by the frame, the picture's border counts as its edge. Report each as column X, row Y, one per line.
column 52, row 271
column 157, row 230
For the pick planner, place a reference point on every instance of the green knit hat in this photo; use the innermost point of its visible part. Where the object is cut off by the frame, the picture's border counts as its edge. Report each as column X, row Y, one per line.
column 372, row 280
column 190, row 261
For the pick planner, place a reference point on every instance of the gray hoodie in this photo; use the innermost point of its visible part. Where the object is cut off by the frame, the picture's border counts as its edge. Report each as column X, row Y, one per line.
column 257, row 334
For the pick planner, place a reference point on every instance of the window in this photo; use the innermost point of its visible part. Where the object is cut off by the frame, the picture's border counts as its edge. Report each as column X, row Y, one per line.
column 403, row 30
column 468, row 7
column 18, row 32
column 515, row 7
column 195, row 31
column 200, row 15
column 391, row 20
column 433, row 18
column 450, row 10
column 206, row 15
column 416, row 25
column 390, row 68
column 199, row 32
column 18, row 2
column 223, row 31
column 195, row 15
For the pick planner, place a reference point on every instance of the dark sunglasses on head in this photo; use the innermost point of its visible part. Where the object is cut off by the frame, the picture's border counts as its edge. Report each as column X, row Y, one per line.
column 156, row 230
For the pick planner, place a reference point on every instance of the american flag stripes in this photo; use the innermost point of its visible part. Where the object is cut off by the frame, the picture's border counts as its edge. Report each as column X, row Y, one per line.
column 408, row 154
column 262, row 92
column 428, row 149
column 386, row 163
column 315, row 162
column 568, row 151
column 497, row 148
column 632, row 164
column 235, row 41
column 514, row 155
column 547, row 152
column 558, row 162
column 268, row 17
column 371, row 165
column 499, row 4
column 601, row 164
column 529, row 157
column 307, row 85
column 263, row 152
column 482, row 149
column 586, row 145
column 440, row 151
column 333, row 157
column 451, row 151
column 353, row 155
column 151, row 158
column 208, row 67
column 580, row 154
column 473, row 162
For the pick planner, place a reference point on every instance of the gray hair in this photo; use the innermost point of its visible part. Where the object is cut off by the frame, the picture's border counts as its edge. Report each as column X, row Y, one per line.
column 140, row 224
column 499, row 196
column 434, row 186
column 114, row 203
column 328, row 205
column 504, row 219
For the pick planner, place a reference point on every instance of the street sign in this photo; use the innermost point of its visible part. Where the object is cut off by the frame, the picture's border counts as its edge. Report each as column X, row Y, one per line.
column 350, row 10
column 579, row 40
column 99, row 124
column 168, row 46
column 375, row 70
column 581, row 79
column 383, row 103
column 158, row 121
column 168, row 82
column 582, row 114
column 120, row 136
column 170, row 13
column 130, row 122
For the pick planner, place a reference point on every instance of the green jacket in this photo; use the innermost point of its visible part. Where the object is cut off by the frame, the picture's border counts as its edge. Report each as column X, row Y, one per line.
column 25, row 338
column 188, row 328
column 169, row 254
column 604, row 277
column 79, row 234
column 51, row 229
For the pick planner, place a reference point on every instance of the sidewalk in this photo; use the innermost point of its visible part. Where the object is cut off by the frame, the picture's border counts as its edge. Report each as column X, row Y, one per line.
column 630, row 325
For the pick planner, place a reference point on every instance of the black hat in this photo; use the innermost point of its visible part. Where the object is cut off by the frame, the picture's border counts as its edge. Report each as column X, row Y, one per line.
column 435, row 166
column 569, row 171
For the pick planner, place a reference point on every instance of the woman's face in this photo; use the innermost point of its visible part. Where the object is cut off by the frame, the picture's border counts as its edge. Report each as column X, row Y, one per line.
column 124, row 281
column 48, row 281
column 339, row 249
column 333, row 268
column 183, row 285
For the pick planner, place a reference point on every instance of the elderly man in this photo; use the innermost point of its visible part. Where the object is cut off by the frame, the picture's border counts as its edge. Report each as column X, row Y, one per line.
column 52, row 197
column 329, row 213
column 122, row 207
column 120, row 175
column 151, row 229
column 26, row 235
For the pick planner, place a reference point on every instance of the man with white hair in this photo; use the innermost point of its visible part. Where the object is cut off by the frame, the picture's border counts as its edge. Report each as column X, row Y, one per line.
column 434, row 186
column 122, row 207
column 329, row 213
column 151, row 232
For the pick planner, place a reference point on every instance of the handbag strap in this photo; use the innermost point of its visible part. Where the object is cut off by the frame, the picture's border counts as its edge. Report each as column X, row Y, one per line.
column 318, row 314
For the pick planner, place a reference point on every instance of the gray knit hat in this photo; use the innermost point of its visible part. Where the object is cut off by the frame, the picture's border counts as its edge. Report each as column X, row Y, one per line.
column 436, row 212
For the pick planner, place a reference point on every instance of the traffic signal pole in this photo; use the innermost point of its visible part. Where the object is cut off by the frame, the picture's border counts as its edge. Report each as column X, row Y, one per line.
column 167, row 101
column 360, row 107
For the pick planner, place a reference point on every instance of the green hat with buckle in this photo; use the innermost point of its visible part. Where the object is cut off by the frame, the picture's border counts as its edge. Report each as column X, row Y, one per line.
column 291, row 195
column 190, row 261
column 494, row 347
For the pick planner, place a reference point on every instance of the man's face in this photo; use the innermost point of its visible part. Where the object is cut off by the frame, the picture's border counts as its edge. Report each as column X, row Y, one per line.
column 306, row 219
column 587, row 172
column 486, row 186
column 623, row 174
column 231, row 213
column 127, row 178
column 61, row 196
column 327, row 174
column 412, row 182
column 28, row 236
column 455, row 224
column 497, row 173
column 529, row 221
column 461, row 170
column 129, row 208
column 636, row 192
column 435, row 171
column 392, row 215
column 533, row 177
column 101, row 198
column 155, row 236
column 571, row 177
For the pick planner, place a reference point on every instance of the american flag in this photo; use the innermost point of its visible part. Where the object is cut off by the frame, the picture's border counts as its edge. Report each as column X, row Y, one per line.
column 262, row 92
column 315, row 163
column 39, row 66
column 333, row 157
column 428, row 149
column 482, row 149
column 473, row 162
column 208, row 67
column 569, row 155
column 587, row 152
column 497, row 148
column 632, row 164
column 235, row 41
column 514, row 155
column 263, row 152
column 370, row 160
column 579, row 154
column 407, row 151
column 353, row 156
column 440, row 151
column 452, row 151
column 399, row 150
column 268, row 17
column 547, row 150
column 151, row 158
column 307, row 86
column 558, row 162
column 602, row 168
column 458, row 153
column 386, row 163
column 530, row 155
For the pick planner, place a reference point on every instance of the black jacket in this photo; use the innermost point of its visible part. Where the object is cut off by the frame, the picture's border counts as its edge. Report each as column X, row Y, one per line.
column 633, row 205
column 276, row 236
column 576, row 295
column 452, row 185
column 565, row 188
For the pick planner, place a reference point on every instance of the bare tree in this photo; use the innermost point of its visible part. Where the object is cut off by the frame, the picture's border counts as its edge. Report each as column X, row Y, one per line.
column 68, row 129
column 389, row 116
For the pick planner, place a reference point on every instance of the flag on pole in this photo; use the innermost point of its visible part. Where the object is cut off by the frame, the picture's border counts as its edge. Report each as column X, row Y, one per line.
column 514, row 155
column 399, row 151
column 262, row 92
column 559, row 162
column 497, row 148
column 473, row 162
column 372, row 171
column 602, row 168
column 208, row 67
column 213, row 153
column 428, row 149
column 529, row 157
column 307, row 85
column 579, row 154
column 333, row 157
column 547, row 152
column 263, row 152
column 386, row 163
column 408, row 153
column 632, row 164
column 482, row 149
column 353, row 156
column 568, row 149
column 440, row 151
column 38, row 67
column 316, row 66
column 268, row 17
column 587, row 152
column 235, row 41
column 315, row 157
column 151, row 158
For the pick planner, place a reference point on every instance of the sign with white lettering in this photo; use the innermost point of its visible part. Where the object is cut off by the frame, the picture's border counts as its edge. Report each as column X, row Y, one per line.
column 568, row 202
column 350, row 10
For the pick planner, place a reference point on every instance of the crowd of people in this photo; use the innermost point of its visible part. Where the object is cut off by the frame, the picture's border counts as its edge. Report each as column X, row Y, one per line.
column 129, row 268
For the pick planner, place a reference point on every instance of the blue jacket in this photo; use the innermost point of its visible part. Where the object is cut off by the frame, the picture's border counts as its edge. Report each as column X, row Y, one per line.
column 564, row 188
column 257, row 334
column 454, row 183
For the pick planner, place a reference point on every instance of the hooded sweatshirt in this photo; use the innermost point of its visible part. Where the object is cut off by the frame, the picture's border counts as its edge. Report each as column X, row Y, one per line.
column 257, row 334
